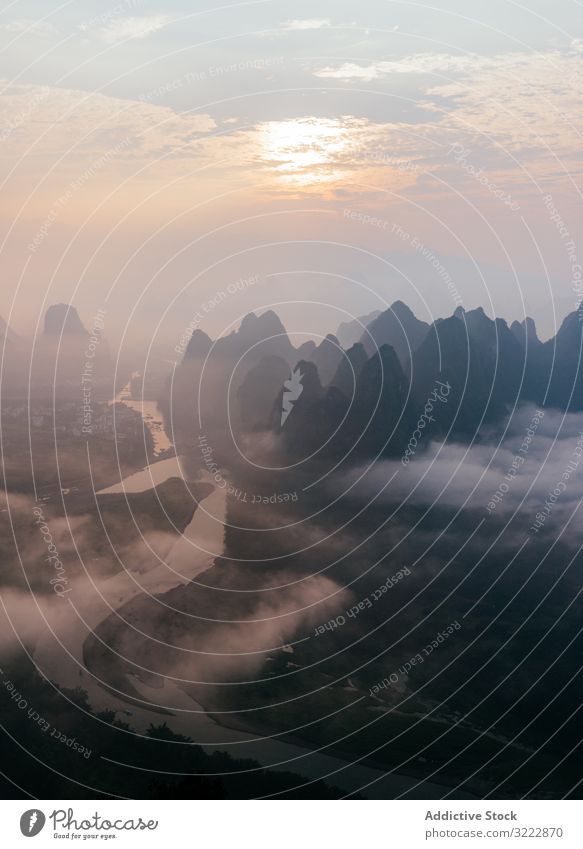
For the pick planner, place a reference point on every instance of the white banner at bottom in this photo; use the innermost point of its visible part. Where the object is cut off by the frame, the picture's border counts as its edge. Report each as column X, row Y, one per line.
column 281, row 824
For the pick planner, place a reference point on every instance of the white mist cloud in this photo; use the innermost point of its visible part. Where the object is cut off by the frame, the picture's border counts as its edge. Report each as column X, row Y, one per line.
column 124, row 29
column 30, row 27
column 307, row 24
column 457, row 476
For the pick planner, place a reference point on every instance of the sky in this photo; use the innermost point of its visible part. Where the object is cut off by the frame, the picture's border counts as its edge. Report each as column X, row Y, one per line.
column 181, row 164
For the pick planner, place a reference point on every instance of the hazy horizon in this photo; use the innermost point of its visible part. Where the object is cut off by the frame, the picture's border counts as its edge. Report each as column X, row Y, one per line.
column 368, row 152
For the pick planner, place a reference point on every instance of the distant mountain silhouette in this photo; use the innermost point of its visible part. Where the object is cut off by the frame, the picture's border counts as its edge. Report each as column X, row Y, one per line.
column 479, row 358
column 558, row 368
column 325, row 421
column 198, row 346
column 349, row 369
column 354, row 402
column 63, row 319
column 233, row 389
column 257, row 391
column 314, row 417
column 350, row 332
column 306, row 351
column 6, row 333
column 397, row 327
column 525, row 332
column 327, row 357
column 380, row 420
column 312, row 392
column 60, row 363
column 257, row 337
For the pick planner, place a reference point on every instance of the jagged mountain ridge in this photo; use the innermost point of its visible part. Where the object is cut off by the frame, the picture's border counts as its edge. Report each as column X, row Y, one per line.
column 398, row 327
column 489, row 366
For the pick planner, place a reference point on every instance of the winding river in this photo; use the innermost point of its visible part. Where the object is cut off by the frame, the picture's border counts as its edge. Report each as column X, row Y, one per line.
column 93, row 603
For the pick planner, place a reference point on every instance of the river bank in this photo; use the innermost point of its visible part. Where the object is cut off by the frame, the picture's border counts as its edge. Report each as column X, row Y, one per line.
column 194, row 552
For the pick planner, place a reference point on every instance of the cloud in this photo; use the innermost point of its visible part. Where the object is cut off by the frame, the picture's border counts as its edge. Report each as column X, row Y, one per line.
column 98, row 122
column 125, row 29
column 309, row 23
column 30, row 27
column 350, row 71
column 528, row 104
column 421, row 63
column 450, row 475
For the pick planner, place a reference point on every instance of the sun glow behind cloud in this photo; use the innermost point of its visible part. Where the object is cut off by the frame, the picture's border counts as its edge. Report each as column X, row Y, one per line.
column 318, row 153
column 305, row 151
column 324, row 156
column 294, row 112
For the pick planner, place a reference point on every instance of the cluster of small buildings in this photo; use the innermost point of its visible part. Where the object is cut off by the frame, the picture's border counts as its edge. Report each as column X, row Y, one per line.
column 110, row 421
